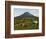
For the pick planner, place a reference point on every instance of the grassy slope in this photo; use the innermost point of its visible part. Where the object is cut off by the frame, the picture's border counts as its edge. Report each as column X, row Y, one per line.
column 25, row 23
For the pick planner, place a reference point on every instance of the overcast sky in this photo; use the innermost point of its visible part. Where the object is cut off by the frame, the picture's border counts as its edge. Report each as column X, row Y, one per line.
column 20, row 11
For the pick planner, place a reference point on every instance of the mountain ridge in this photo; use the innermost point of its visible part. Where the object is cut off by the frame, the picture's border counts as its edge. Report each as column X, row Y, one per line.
column 26, row 15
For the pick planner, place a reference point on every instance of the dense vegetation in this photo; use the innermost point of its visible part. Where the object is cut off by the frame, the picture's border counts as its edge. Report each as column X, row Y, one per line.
column 26, row 23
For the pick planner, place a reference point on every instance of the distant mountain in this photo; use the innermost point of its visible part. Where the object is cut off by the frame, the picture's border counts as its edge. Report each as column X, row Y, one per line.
column 26, row 15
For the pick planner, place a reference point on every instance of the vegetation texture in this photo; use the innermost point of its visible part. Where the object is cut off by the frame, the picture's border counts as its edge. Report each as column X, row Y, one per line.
column 26, row 23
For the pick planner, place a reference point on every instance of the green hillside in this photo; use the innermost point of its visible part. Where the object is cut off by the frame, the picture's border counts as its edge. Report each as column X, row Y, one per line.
column 26, row 23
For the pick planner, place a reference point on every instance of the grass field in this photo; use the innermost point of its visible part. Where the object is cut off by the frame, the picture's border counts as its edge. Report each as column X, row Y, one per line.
column 25, row 23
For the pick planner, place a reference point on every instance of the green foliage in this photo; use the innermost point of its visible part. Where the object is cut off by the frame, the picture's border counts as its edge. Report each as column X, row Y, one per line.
column 25, row 23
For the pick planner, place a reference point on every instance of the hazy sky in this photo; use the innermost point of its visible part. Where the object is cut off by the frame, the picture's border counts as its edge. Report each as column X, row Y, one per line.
column 20, row 11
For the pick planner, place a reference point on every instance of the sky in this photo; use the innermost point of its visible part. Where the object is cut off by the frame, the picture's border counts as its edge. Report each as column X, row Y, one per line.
column 20, row 11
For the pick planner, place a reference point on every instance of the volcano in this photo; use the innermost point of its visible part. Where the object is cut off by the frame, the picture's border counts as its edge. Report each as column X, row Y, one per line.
column 26, row 15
